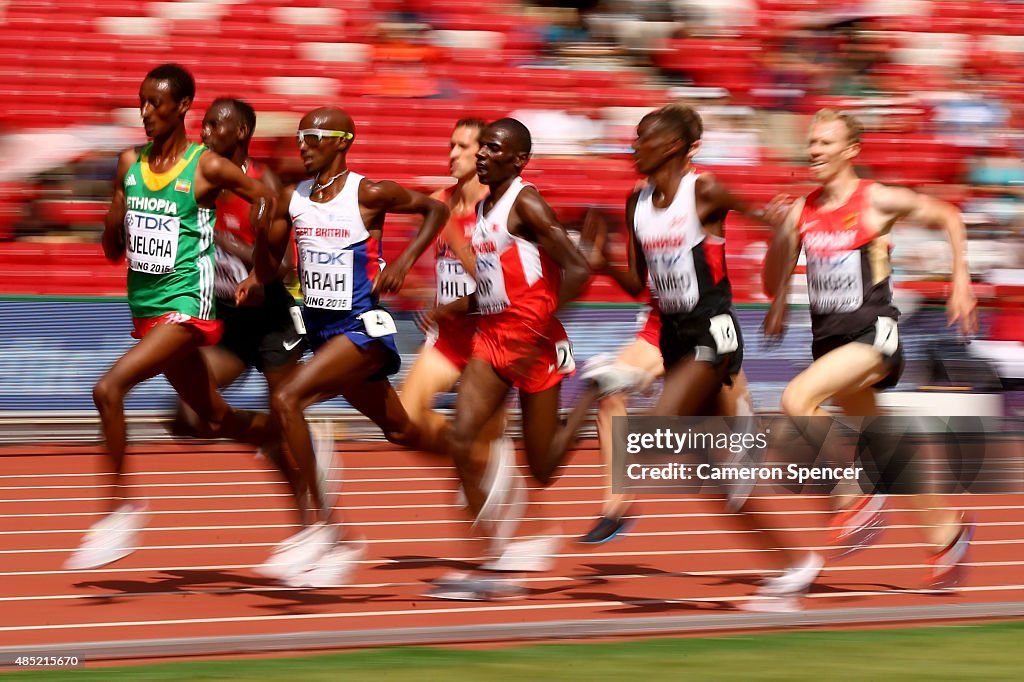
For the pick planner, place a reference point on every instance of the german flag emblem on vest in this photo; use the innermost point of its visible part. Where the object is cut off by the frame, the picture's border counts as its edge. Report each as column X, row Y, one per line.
column 182, row 185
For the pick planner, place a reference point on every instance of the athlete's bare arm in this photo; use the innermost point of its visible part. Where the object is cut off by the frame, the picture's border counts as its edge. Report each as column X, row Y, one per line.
column 244, row 252
column 379, row 198
column 894, row 203
column 272, row 242
column 634, row 278
column 460, row 306
column 215, row 173
column 780, row 261
column 531, row 214
column 714, row 201
column 457, row 242
column 113, row 223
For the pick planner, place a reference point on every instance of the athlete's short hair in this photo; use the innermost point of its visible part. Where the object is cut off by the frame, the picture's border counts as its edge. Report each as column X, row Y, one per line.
column 853, row 126
column 182, row 83
column 476, row 123
column 518, row 133
column 241, row 107
column 683, row 120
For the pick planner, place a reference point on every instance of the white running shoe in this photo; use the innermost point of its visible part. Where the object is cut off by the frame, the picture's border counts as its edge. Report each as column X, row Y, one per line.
column 299, row 552
column 795, row 580
column 611, row 377
column 596, row 365
column 113, row 537
column 528, row 555
column 477, row 588
column 322, row 435
column 333, row 569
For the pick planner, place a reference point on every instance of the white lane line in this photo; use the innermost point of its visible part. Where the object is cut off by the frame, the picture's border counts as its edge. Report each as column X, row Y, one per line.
column 378, row 492
column 583, row 579
column 490, row 608
column 441, row 522
column 271, row 481
column 963, row 501
column 418, row 541
column 395, row 562
column 544, row 503
column 346, row 469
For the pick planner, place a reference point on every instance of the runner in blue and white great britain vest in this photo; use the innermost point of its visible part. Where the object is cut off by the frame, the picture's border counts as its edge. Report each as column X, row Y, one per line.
column 338, row 260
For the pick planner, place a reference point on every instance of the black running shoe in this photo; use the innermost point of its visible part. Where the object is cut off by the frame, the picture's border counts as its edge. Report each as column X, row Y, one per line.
column 606, row 528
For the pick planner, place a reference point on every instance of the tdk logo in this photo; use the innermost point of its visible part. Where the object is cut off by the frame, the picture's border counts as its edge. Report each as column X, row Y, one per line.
column 325, row 257
column 152, row 222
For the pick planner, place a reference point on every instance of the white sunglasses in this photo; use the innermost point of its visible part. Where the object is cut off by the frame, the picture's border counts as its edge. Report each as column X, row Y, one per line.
column 314, row 136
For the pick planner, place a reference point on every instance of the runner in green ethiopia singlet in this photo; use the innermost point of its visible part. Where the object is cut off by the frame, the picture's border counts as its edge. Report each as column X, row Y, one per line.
column 169, row 240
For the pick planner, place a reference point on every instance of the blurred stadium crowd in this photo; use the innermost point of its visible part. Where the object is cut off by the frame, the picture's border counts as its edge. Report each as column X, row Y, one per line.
column 939, row 86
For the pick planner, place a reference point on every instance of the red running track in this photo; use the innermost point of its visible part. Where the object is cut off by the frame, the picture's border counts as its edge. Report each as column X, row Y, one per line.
column 216, row 511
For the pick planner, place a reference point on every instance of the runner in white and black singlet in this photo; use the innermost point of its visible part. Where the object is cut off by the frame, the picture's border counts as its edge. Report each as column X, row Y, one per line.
column 676, row 241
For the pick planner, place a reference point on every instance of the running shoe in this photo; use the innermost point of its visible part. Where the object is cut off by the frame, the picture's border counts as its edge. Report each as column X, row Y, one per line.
column 476, row 588
column 606, row 528
column 795, row 581
column 526, row 555
column 947, row 565
column 611, row 377
column 334, row 569
column 299, row 552
column 859, row 526
column 113, row 537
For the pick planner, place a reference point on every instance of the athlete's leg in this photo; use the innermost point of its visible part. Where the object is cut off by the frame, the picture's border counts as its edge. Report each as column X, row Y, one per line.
column 431, row 373
column 190, row 376
column 847, row 374
column 276, row 376
column 146, row 359
column 540, row 423
column 734, row 399
column 116, row 535
column 225, row 367
column 843, row 371
column 689, row 385
column 337, row 365
column 642, row 355
column 379, row 401
column 941, row 524
column 480, row 397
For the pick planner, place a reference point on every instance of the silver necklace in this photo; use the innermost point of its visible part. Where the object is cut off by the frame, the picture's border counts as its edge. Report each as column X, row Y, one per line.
column 317, row 187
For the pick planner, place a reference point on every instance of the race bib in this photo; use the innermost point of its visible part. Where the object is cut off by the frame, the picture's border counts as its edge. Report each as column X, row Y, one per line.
column 228, row 273
column 378, row 323
column 723, row 331
column 565, row 363
column 297, row 321
column 327, row 278
column 152, row 245
column 835, row 284
column 887, row 336
column 491, row 297
column 453, row 282
column 673, row 279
